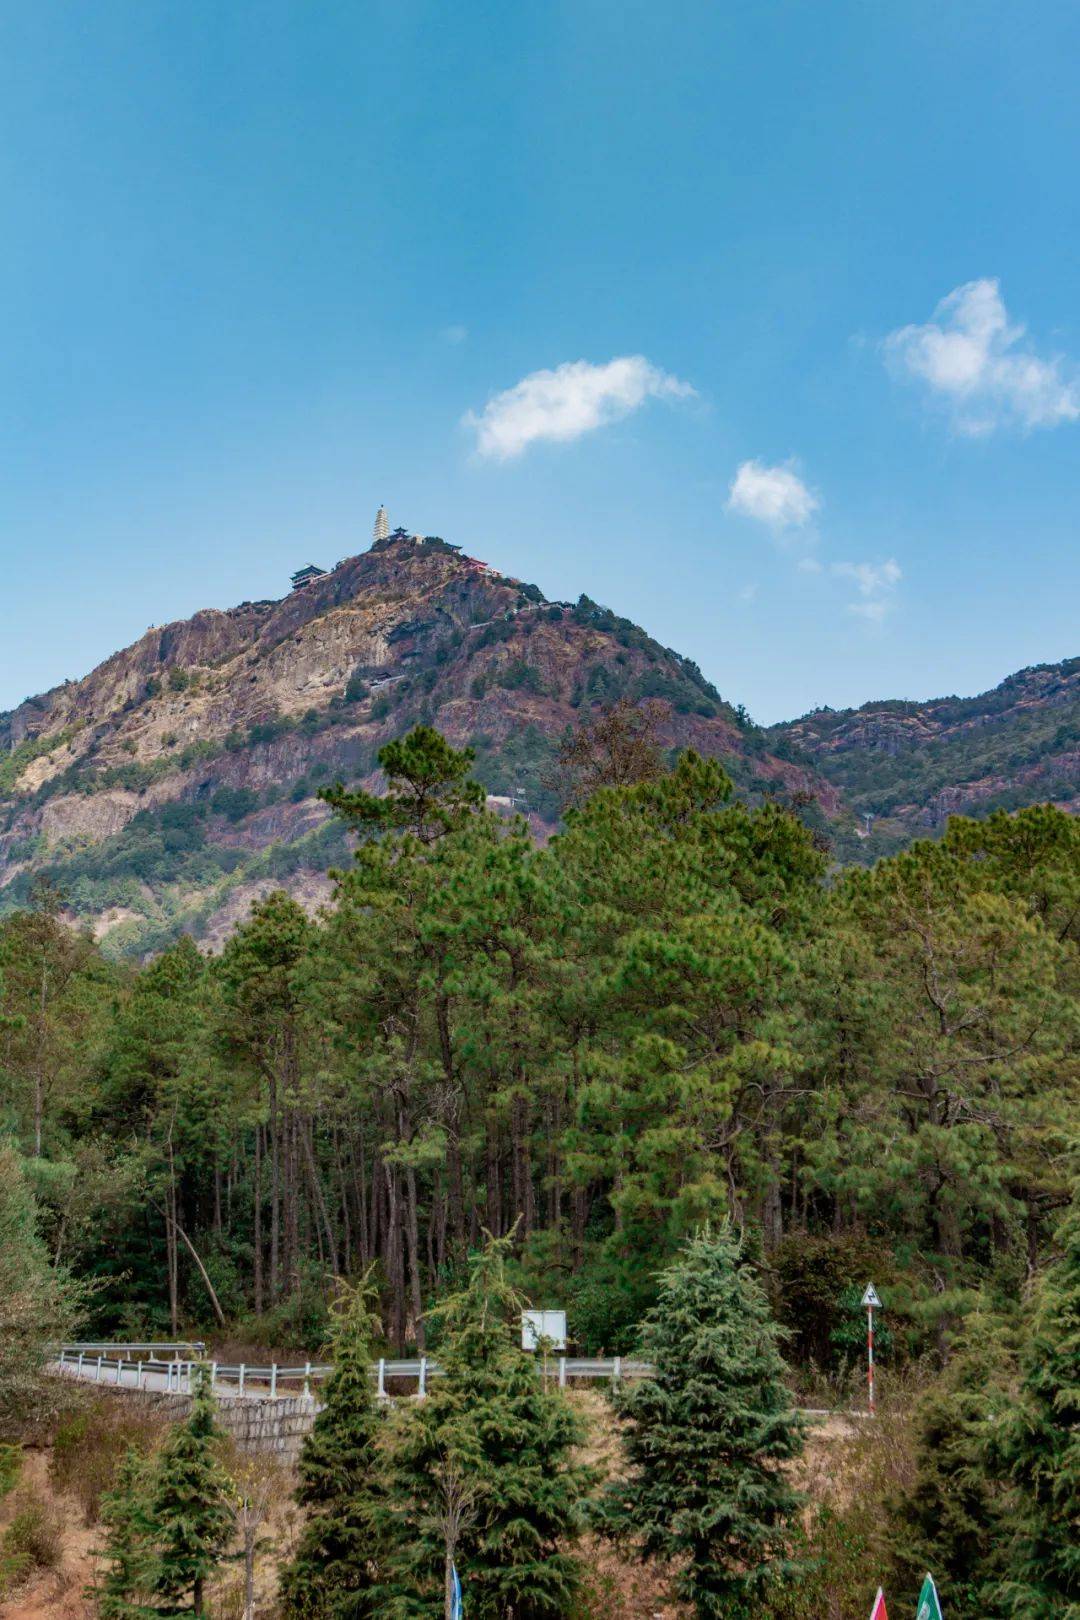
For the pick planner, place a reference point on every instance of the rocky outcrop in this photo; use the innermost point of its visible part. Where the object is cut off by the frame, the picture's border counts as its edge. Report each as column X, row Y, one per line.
column 172, row 777
column 912, row 765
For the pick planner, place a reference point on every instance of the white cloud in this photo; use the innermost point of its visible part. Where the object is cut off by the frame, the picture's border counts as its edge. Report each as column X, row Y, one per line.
column 871, row 578
column 875, row 584
column 972, row 357
column 808, row 565
column 454, row 335
column 873, row 610
column 571, row 400
column 776, row 496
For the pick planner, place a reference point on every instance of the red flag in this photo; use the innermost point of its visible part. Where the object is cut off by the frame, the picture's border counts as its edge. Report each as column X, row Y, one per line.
column 878, row 1611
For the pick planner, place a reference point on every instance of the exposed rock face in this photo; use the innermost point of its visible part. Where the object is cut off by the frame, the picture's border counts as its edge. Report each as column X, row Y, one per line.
column 170, row 781
column 915, row 764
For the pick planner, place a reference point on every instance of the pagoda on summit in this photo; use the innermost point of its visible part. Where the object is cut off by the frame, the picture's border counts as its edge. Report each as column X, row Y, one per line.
column 381, row 530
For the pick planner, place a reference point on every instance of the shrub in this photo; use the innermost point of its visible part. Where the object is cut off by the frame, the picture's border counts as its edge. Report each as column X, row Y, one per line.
column 233, row 803
column 10, row 1466
column 88, row 1447
column 32, row 1541
column 518, row 676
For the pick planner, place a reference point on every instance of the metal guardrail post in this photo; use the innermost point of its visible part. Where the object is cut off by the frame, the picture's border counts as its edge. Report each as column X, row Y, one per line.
column 139, row 1374
column 616, row 1370
column 307, row 1380
column 240, row 1388
column 78, row 1370
column 422, row 1391
column 273, row 1380
column 213, row 1375
column 562, row 1372
column 97, row 1379
column 381, row 1391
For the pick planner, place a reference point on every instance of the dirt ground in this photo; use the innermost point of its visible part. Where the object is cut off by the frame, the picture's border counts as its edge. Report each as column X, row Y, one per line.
column 618, row 1590
column 55, row 1594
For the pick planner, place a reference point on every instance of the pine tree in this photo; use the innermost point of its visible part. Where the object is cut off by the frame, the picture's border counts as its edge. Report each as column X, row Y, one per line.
column 707, row 1437
column 124, row 1593
column 483, row 1472
column 335, row 1566
column 38, row 1302
column 429, row 789
column 191, row 1511
column 952, row 1518
column 1039, row 1446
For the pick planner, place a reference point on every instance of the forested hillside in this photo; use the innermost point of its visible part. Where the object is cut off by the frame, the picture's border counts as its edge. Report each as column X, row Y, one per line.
column 567, row 1058
column 909, row 766
column 664, row 1013
column 178, row 781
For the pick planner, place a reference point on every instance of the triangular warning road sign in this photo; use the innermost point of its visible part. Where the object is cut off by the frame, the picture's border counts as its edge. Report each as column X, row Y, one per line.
column 878, row 1611
column 870, row 1298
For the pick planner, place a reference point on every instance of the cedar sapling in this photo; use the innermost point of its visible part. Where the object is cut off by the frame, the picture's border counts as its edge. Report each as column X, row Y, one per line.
column 335, row 1569
column 191, row 1507
column 707, row 1439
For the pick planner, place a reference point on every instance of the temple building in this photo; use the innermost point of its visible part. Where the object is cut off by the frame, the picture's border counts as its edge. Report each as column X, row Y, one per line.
column 304, row 576
column 381, row 530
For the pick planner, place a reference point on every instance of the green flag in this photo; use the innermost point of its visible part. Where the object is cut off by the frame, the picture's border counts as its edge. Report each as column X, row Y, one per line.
column 929, row 1607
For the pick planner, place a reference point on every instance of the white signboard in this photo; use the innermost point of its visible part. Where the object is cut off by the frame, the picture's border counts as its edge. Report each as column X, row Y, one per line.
column 537, row 1325
column 870, row 1299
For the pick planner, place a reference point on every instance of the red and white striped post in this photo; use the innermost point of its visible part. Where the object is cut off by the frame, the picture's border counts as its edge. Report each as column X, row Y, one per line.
column 870, row 1300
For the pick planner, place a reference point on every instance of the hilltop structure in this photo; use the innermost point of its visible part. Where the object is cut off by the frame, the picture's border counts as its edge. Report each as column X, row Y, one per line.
column 304, row 576
column 381, row 530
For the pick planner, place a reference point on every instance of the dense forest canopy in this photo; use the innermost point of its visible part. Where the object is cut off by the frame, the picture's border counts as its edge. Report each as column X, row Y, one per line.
column 669, row 1013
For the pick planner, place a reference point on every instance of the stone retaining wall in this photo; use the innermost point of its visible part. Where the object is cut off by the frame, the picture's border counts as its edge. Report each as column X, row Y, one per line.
column 256, row 1423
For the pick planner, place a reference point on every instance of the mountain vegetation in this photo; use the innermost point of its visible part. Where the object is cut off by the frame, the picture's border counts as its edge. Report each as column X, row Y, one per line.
column 906, row 767
column 528, row 969
column 179, row 780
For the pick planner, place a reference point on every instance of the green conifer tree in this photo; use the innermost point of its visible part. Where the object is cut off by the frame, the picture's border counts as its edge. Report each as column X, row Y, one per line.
column 429, row 789
column 483, row 1472
column 951, row 1518
column 336, row 1565
column 707, row 1437
column 1039, row 1446
column 191, row 1508
column 124, row 1592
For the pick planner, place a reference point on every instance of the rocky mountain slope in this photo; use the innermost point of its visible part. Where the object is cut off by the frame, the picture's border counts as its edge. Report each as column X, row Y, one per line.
column 179, row 779
column 909, row 766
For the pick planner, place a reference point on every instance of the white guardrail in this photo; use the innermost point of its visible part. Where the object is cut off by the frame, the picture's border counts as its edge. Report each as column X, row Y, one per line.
column 169, row 1367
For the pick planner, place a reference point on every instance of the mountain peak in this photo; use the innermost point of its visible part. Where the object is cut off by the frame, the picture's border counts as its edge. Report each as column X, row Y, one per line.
column 184, row 769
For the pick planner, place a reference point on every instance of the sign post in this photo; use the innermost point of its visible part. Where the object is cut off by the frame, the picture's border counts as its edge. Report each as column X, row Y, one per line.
column 871, row 1302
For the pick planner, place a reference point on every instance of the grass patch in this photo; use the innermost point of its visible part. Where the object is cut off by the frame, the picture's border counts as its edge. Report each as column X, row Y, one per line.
column 89, row 1445
column 10, row 1468
column 32, row 1541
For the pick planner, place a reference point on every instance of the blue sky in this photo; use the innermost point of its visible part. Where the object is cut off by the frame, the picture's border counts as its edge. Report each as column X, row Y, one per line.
column 267, row 265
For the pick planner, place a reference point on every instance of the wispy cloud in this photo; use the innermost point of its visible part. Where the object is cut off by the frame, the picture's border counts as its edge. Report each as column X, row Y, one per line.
column 454, row 335
column 563, row 404
column 973, row 359
column 875, row 584
column 775, row 496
